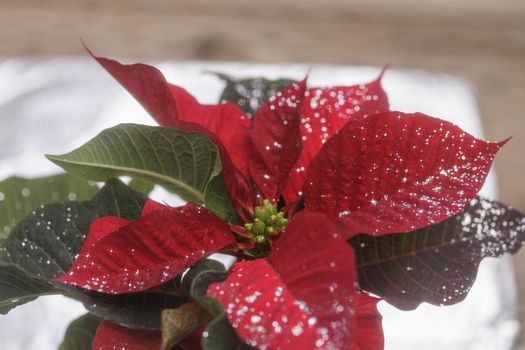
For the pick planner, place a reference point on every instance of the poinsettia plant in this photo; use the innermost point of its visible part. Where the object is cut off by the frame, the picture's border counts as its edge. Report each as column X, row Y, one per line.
column 328, row 200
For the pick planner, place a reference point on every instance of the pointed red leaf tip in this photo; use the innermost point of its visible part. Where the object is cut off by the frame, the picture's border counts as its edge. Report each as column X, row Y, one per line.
column 276, row 138
column 301, row 296
column 369, row 327
column 148, row 252
column 324, row 111
column 396, row 172
column 225, row 125
column 150, row 206
column 111, row 336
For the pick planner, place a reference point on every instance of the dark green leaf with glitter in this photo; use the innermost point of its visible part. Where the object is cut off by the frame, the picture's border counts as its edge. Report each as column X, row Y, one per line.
column 437, row 264
column 17, row 287
column 19, row 196
column 134, row 310
column 250, row 94
column 45, row 244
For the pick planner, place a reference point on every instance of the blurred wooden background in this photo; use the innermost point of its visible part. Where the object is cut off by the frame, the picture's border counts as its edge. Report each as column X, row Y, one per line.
column 480, row 40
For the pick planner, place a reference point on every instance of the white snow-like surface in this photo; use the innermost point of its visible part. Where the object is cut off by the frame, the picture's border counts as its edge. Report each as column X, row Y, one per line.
column 53, row 106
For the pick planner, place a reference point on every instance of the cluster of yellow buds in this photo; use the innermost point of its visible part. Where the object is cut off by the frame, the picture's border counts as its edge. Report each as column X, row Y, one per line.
column 267, row 222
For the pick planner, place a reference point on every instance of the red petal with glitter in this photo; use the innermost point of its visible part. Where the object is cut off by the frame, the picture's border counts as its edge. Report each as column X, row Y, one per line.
column 107, row 225
column 396, row 172
column 225, row 125
column 101, row 228
column 324, row 111
column 276, row 139
column 147, row 252
column 369, row 328
column 301, row 296
column 111, row 336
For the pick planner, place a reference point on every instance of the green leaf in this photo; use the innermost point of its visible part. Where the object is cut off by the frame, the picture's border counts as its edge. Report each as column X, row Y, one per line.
column 219, row 334
column 178, row 323
column 141, row 311
column 17, row 287
column 250, row 94
column 45, row 244
column 217, row 200
column 437, row 264
column 211, row 305
column 141, row 185
column 80, row 333
column 19, row 196
column 196, row 281
column 183, row 162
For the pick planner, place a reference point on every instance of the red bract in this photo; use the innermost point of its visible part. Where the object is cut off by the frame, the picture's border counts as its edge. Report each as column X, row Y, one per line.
column 111, row 336
column 301, row 296
column 398, row 172
column 122, row 256
column 369, row 330
column 276, row 140
column 324, row 111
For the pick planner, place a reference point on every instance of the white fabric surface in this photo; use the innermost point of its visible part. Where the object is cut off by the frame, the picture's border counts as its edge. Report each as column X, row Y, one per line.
column 53, row 106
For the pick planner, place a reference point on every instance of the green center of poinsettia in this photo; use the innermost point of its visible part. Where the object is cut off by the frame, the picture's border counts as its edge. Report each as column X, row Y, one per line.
column 267, row 222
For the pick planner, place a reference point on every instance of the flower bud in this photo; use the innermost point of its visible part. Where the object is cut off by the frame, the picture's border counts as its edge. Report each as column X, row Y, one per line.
column 262, row 213
column 259, row 227
column 270, row 207
column 270, row 231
